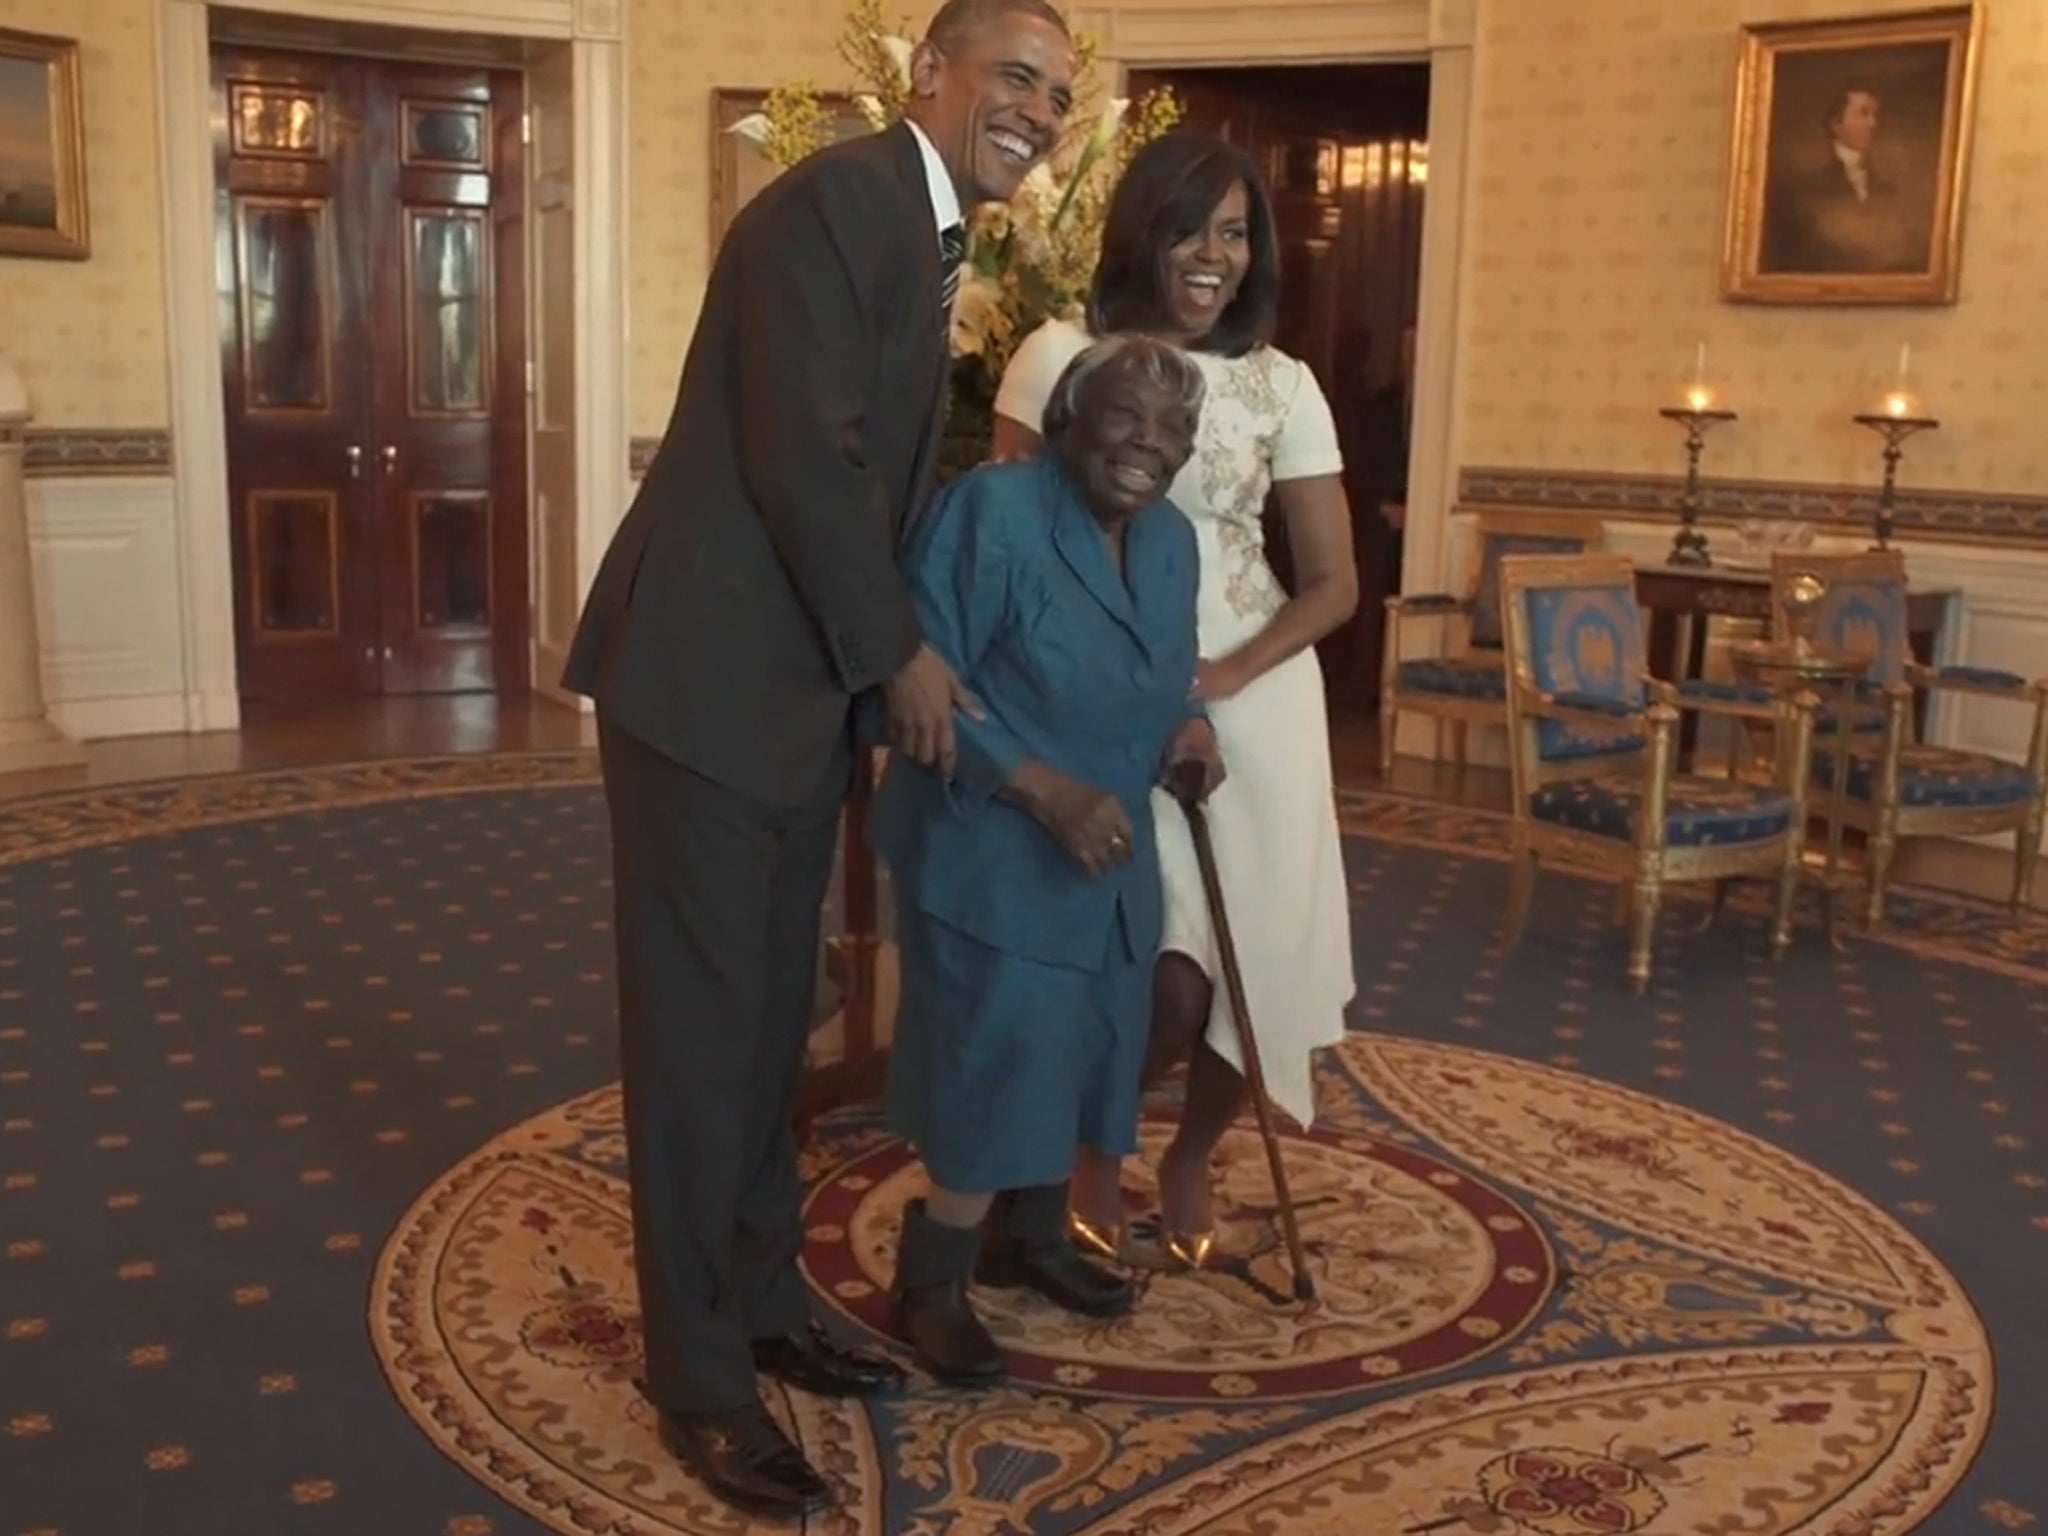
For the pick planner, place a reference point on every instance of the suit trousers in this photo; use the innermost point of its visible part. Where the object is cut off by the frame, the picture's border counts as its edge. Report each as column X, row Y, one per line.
column 717, row 902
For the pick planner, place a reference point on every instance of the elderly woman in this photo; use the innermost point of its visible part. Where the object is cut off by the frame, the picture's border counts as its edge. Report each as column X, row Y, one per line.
column 1062, row 591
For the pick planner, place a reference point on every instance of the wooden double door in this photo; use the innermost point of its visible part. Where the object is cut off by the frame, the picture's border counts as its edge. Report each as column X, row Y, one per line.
column 372, row 309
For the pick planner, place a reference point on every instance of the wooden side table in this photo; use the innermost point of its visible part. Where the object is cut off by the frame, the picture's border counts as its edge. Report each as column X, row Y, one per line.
column 1834, row 676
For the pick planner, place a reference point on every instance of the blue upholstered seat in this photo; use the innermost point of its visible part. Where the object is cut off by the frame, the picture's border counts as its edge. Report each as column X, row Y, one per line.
column 1699, row 811
column 1932, row 776
column 1475, row 675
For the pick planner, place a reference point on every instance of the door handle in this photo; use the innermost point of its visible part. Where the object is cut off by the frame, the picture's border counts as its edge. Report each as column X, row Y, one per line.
column 390, row 457
column 355, row 460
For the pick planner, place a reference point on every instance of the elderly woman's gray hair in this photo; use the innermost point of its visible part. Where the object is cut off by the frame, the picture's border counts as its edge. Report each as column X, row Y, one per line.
column 1158, row 362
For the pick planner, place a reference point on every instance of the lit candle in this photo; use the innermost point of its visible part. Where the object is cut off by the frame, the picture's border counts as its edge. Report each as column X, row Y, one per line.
column 1698, row 397
column 1905, row 360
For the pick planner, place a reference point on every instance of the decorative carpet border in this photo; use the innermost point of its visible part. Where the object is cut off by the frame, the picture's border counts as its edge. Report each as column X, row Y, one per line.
column 1971, row 516
column 50, row 826
column 1936, row 925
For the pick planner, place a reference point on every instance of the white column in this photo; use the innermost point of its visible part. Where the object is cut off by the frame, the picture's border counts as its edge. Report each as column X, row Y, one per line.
column 27, row 738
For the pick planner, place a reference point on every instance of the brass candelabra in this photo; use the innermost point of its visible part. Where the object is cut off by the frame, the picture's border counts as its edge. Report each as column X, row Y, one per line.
column 1894, row 428
column 1689, row 545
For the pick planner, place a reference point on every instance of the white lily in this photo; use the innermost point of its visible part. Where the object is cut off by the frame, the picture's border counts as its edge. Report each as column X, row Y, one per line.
column 754, row 128
column 1106, row 127
column 899, row 50
column 871, row 109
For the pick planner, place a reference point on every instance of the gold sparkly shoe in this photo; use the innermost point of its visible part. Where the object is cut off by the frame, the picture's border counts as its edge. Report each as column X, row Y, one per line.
column 1095, row 1239
column 1189, row 1250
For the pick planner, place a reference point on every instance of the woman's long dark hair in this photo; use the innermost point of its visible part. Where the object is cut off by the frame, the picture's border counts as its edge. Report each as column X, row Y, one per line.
column 1168, row 193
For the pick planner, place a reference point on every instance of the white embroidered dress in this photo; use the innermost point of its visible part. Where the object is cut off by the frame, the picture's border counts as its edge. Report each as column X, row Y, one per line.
column 1274, row 820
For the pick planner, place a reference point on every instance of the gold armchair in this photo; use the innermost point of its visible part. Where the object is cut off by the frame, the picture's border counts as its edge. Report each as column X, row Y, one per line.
column 1464, row 683
column 1897, row 786
column 1593, row 747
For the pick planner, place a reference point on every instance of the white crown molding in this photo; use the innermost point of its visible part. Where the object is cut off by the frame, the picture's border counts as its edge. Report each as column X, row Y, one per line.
column 505, row 18
column 1281, row 32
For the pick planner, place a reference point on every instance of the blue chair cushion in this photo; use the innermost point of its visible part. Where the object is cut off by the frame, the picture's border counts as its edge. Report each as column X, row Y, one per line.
column 1933, row 776
column 1464, row 677
column 1866, row 618
column 1699, row 811
column 1586, row 644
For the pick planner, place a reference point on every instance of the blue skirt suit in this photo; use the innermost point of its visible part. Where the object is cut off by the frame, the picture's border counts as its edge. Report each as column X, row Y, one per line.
column 1026, row 981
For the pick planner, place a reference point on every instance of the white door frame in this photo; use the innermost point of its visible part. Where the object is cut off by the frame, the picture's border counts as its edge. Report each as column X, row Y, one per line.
column 594, row 31
column 1181, row 33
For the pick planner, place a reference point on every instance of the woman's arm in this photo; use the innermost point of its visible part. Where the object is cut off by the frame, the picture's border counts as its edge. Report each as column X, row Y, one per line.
column 1325, row 581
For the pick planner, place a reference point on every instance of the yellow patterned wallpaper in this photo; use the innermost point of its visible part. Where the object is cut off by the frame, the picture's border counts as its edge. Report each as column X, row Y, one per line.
column 679, row 51
column 1602, row 149
column 88, row 336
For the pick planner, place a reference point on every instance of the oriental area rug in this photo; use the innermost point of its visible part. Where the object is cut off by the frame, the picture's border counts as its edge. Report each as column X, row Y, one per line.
column 313, row 1218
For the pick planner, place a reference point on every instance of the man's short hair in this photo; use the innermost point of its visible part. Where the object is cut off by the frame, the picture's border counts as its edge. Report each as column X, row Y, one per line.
column 957, row 20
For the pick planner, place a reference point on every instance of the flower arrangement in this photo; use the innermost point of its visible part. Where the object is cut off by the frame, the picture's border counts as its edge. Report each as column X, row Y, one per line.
column 1029, row 260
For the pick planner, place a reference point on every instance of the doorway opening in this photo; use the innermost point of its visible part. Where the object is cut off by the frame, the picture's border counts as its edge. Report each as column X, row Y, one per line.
column 371, row 259
column 1345, row 152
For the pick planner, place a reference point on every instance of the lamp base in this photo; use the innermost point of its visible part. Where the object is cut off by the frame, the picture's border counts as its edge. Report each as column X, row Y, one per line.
column 1689, row 549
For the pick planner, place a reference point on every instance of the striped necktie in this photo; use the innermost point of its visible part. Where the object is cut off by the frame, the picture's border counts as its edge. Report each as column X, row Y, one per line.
column 952, row 250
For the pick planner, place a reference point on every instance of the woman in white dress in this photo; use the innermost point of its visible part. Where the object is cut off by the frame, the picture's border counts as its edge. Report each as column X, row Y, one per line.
column 1190, row 252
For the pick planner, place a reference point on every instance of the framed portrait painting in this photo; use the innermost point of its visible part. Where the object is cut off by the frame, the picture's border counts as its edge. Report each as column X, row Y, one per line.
column 739, row 169
column 42, row 147
column 1851, row 158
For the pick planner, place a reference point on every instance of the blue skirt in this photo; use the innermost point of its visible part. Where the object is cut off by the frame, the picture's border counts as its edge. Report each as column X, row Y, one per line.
column 1003, row 1067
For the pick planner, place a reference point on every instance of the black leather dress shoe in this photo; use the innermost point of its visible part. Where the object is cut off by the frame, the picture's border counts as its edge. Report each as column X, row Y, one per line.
column 812, row 1362
column 939, row 1323
column 1058, row 1272
column 744, row 1457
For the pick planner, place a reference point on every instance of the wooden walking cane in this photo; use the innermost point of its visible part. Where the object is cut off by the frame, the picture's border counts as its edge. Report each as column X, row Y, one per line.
column 1186, row 781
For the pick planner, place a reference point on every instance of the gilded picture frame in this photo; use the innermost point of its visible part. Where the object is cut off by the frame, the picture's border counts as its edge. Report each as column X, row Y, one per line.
column 42, row 148
column 739, row 169
column 1851, row 158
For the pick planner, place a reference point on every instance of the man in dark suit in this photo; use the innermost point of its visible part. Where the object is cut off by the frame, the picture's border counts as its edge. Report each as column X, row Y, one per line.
column 750, row 597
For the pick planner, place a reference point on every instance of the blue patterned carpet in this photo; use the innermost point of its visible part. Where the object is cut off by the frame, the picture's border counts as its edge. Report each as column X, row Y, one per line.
column 311, row 1219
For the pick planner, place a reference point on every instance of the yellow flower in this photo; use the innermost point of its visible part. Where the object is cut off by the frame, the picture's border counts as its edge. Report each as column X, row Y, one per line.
column 872, row 109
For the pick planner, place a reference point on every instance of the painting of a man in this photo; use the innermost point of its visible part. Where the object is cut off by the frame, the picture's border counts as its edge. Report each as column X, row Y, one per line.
column 1854, row 192
column 1851, row 142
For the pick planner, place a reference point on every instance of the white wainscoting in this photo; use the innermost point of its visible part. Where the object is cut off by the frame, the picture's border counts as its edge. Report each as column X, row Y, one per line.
column 1999, row 619
column 105, row 550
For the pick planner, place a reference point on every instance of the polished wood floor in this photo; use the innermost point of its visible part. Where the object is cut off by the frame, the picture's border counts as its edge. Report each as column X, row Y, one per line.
column 427, row 727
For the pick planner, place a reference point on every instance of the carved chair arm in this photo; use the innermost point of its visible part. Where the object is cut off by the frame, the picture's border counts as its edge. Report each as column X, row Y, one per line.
column 1983, row 682
column 1426, row 605
column 1732, row 701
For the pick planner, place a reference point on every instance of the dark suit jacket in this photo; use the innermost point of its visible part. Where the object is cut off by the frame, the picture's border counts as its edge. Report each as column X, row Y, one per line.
column 753, row 590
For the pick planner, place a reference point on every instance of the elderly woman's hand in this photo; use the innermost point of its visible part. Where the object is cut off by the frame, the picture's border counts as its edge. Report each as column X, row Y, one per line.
column 1089, row 823
column 1194, row 762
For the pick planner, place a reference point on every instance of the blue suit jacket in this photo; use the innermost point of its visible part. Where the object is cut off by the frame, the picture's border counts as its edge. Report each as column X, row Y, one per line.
column 1090, row 673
